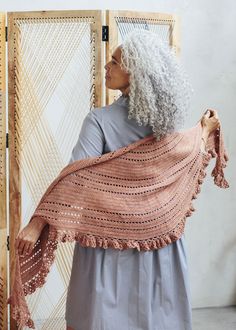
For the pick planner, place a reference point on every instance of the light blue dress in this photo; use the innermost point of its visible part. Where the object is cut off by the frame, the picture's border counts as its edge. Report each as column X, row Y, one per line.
column 111, row 289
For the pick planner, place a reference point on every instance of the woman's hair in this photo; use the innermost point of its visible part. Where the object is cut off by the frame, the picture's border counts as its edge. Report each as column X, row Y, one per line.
column 159, row 89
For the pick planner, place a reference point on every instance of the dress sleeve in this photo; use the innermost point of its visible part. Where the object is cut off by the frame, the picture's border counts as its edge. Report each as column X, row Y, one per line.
column 91, row 139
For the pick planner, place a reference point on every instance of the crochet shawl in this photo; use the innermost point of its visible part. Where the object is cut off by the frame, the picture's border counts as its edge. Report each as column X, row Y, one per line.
column 138, row 196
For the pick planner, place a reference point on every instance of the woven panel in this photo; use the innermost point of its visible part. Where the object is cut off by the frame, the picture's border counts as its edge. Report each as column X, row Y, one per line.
column 54, row 58
column 120, row 23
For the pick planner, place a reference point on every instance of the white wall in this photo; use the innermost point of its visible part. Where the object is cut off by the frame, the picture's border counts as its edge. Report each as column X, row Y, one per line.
column 209, row 57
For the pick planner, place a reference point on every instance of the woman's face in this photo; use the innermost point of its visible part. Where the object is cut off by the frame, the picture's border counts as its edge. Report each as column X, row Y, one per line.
column 116, row 78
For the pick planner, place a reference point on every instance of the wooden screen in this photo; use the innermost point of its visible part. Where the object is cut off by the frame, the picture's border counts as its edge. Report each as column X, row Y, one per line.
column 122, row 22
column 55, row 76
column 54, row 80
column 3, row 212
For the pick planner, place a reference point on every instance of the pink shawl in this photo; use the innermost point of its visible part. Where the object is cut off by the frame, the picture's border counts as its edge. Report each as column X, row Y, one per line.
column 138, row 196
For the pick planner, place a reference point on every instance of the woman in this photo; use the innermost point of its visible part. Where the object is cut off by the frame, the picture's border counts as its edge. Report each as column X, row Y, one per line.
column 112, row 289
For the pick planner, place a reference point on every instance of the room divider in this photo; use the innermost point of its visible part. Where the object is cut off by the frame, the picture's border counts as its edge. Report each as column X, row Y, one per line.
column 55, row 76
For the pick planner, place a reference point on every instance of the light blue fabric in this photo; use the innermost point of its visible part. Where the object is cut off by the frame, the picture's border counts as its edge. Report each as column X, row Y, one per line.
column 130, row 290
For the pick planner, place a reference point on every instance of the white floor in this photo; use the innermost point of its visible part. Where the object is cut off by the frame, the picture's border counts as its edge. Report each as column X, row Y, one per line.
column 223, row 318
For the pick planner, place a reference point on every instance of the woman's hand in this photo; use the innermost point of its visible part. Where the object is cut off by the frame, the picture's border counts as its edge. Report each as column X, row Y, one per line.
column 210, row 122
column 29, row 235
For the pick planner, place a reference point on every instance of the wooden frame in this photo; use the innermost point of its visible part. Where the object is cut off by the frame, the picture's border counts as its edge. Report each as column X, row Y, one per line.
column 152, row 18
column 15, row 154
column 3, row 209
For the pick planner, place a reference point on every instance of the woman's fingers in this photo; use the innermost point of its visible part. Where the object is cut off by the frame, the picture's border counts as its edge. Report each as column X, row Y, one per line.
column 207, row 113
column 25, row 247
column 213, row 113
column 21, row 245
column 30, row 247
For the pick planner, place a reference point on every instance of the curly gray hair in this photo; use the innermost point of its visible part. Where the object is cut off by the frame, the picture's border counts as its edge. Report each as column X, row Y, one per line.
column 159, row 92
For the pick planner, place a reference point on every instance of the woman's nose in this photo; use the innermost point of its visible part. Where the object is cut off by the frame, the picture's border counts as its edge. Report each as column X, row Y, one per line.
column 106, row 66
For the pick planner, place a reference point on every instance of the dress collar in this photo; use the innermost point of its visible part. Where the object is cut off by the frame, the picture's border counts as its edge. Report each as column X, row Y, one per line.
column 122, row 100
